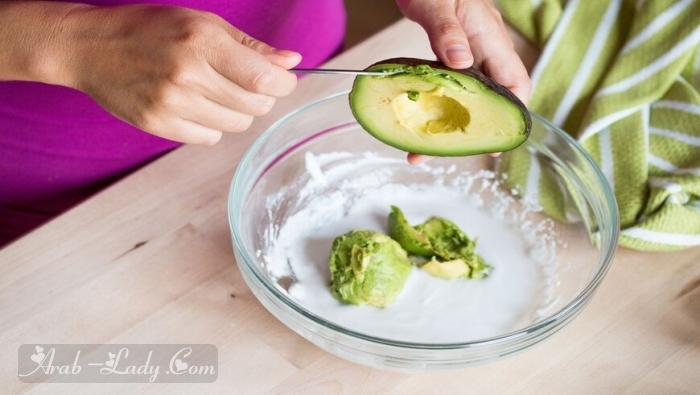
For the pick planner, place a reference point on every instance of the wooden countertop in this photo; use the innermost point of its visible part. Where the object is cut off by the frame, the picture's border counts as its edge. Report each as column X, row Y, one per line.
column 149, row 260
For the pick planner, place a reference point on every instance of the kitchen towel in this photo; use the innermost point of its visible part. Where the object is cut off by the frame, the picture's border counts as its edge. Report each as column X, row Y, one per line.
column 623, row 78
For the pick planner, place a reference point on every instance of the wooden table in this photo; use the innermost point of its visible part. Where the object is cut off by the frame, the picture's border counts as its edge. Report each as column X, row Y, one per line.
column 149, row 260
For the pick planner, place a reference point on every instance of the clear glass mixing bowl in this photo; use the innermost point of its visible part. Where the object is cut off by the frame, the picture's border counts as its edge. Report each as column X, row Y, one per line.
column 267, row 187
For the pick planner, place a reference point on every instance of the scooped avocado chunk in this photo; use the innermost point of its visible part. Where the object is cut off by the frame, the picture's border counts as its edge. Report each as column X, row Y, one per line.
column 446, row 239
column 479, row 268
column 367, row 267
column 408, row 237
column 428, row 108
column 449, row 270
column 451, row 245
column 451, row 252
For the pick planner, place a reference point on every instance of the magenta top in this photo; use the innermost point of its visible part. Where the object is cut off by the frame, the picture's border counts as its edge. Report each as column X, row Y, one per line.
column 57, row 146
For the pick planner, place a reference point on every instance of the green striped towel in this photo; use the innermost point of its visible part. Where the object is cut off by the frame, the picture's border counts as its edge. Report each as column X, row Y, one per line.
column 623, row 77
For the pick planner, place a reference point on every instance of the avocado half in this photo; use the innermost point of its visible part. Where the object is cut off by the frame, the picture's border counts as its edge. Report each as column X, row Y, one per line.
column 427, row 108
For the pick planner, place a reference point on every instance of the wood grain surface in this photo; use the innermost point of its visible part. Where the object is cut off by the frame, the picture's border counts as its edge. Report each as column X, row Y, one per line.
column 149, row 260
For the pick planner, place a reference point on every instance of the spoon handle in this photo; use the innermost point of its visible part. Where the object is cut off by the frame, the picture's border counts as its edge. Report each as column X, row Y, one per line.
column 340, row 71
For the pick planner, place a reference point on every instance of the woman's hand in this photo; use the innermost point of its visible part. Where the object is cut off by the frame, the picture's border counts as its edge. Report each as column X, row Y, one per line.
column 466, row 33
column 177, row 73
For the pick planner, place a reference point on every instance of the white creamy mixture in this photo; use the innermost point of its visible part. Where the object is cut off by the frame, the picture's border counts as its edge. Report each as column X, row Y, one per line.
column 429, row 310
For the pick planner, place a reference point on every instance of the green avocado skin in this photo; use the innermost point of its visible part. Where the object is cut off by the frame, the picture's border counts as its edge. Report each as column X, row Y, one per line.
column 367, row 267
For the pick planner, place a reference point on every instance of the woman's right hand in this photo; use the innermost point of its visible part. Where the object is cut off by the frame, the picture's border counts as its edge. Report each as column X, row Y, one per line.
column 178, row 73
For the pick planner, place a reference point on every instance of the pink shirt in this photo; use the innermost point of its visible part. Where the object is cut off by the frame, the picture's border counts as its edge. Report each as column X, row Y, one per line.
column 58, row 147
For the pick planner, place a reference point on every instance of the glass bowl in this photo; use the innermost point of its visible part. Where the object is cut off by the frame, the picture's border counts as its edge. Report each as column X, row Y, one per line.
column 542, row 214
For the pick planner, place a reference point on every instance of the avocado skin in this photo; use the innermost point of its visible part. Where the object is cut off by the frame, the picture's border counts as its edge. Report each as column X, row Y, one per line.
column 471, row 72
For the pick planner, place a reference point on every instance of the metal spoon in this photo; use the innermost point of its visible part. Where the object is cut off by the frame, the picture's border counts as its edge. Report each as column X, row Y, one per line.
column 340, row 71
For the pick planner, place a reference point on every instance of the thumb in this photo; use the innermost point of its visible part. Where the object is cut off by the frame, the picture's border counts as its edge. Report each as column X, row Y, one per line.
column 445, row 32
column 282, row 58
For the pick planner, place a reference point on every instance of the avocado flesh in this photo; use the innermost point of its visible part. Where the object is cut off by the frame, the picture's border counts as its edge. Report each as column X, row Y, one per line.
column 367, row 268
column 452, row 254
column 431, row 112
column 453, row 248
column 449, row 270
column 479, row 268
column 429, row 109
column 447, row 240
column 408, row 237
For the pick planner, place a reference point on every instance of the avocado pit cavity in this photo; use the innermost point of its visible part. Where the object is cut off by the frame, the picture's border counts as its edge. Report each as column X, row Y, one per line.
column 431, row 112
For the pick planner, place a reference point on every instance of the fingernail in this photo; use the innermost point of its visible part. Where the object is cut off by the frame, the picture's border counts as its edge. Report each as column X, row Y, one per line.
column 416, row 159
column 285, row 52
column 459, row 56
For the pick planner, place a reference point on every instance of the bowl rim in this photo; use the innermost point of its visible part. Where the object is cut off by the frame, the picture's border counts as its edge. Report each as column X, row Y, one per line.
column 239, row 186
